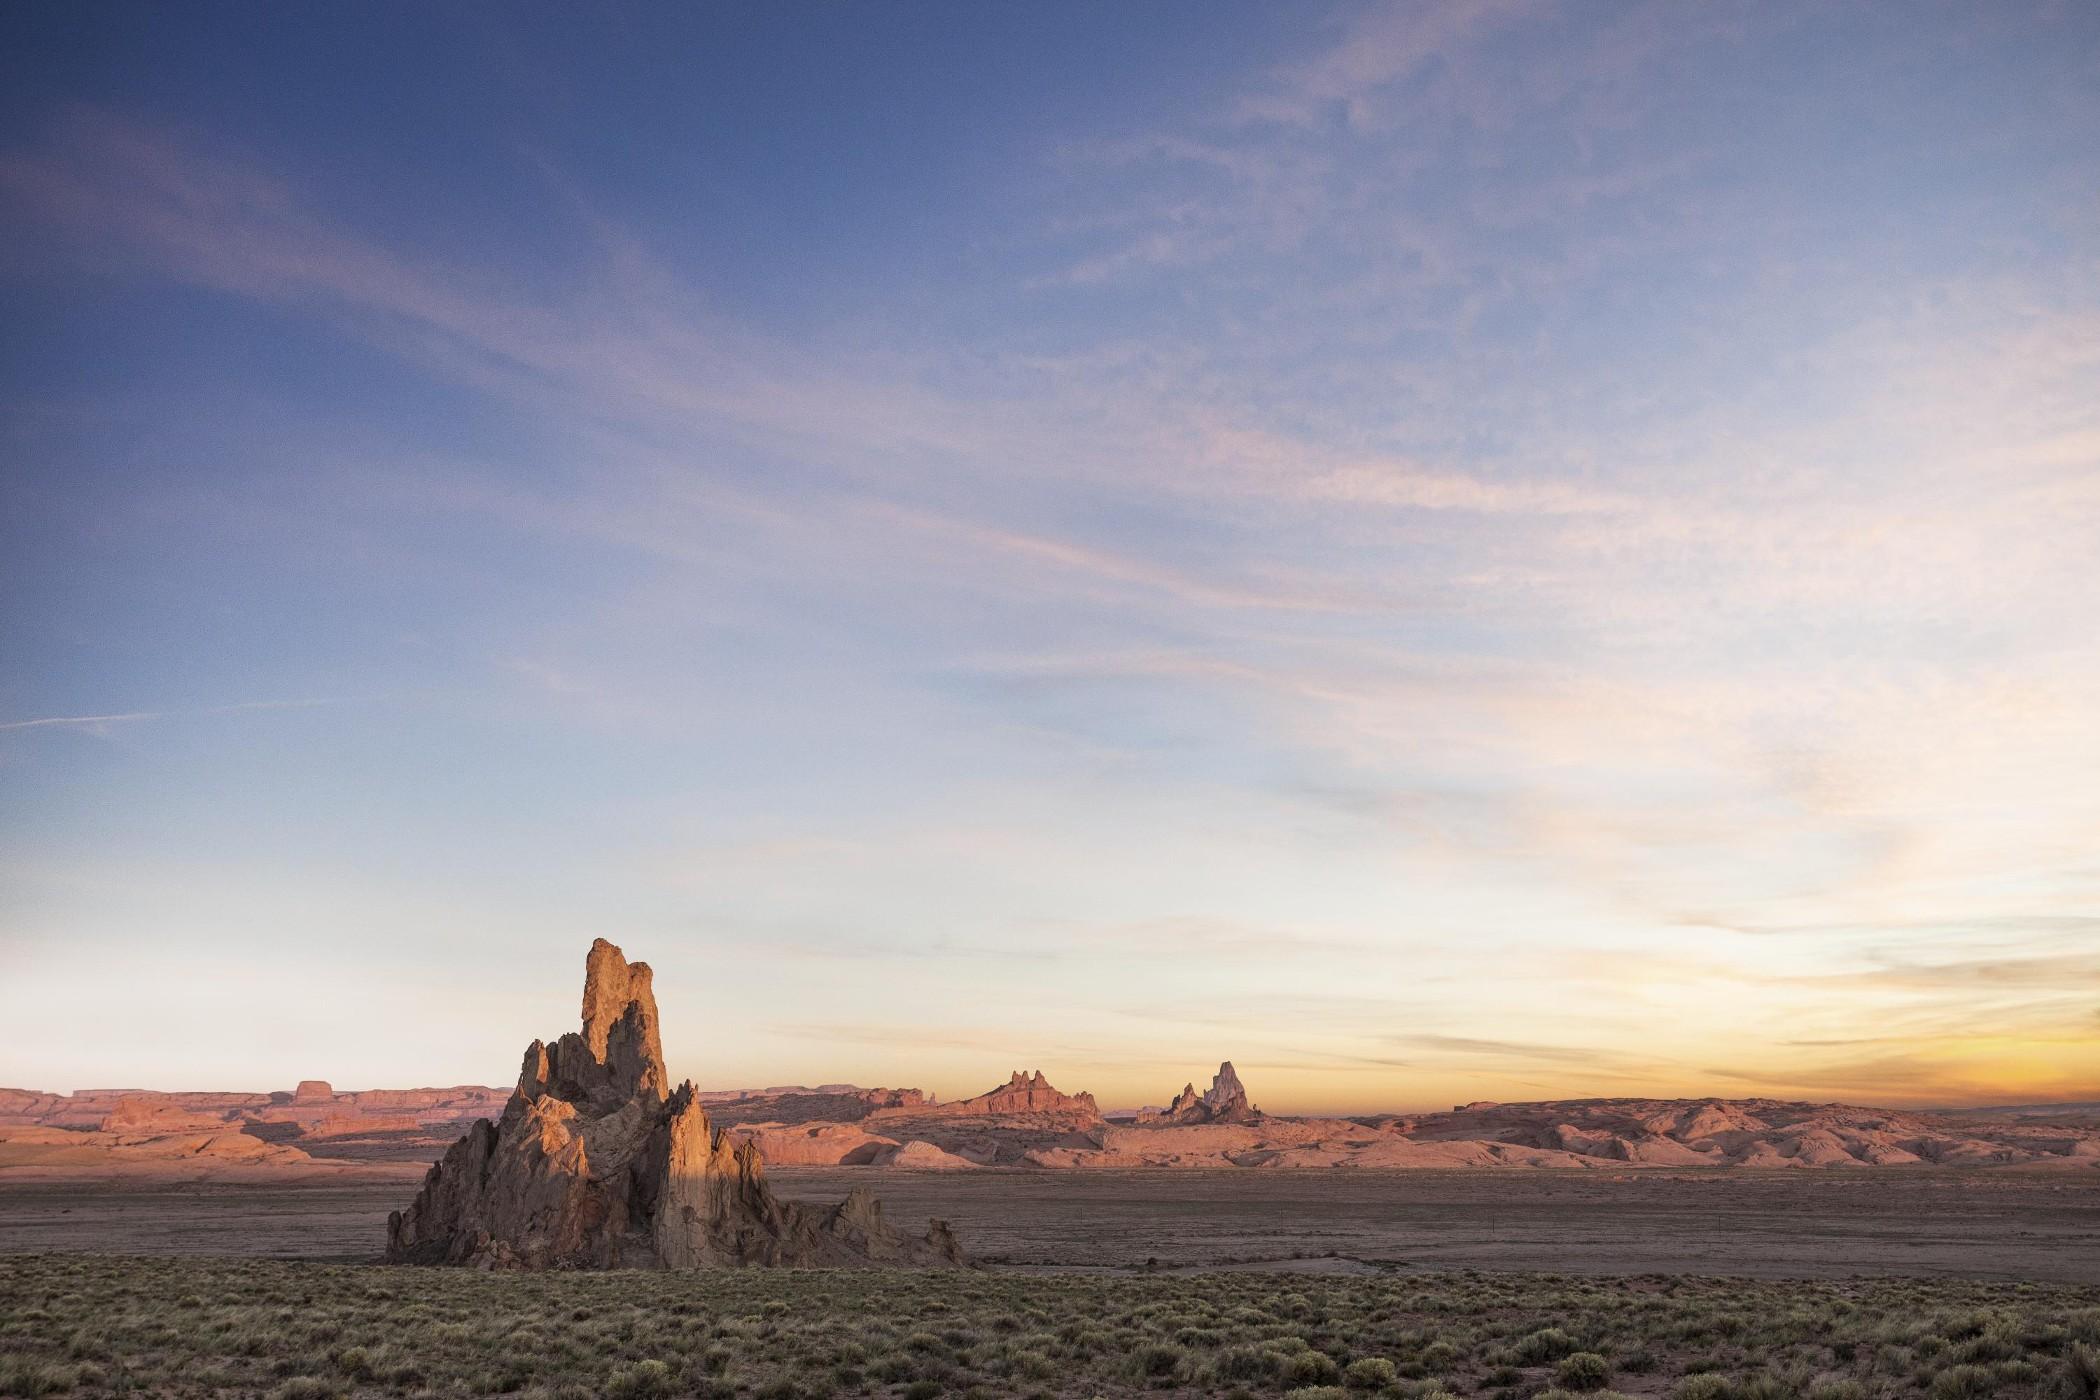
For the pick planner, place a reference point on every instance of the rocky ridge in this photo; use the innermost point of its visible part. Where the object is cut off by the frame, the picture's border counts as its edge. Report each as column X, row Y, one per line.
column 1022, row 1094
column 1026, row 1122
column 597, row 1163
column 371, row 1124
column 1588, row 1134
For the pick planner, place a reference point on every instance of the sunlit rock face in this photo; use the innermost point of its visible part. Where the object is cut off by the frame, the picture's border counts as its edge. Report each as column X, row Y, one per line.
column 1225, row 1102
column 596, row 1163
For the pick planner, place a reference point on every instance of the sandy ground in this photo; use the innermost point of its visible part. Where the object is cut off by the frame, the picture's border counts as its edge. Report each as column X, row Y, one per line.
column 1959, row 1223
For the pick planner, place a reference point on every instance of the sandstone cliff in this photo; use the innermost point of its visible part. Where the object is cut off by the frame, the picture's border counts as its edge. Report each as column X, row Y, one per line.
column 597, row 1163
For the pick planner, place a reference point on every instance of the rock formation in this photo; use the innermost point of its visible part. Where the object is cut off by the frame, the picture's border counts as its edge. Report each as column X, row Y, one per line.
column 829, row 1104
column 1021, row 1093
column 1226, row 1092
column 138, row 1115
column 258, row 1137
column 435, row 1115
column 597, row 1163
column 1225, row 1102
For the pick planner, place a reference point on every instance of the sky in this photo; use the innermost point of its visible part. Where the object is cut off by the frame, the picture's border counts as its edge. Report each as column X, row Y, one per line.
column 1436, row 551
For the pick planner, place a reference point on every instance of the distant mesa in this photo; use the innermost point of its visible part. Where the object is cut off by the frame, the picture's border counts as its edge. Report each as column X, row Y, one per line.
column 1026, row 1093
column 827, row 1103
column 143, row 1114
column 1023, row 1094
column 1224, row 1102
column 598, row 1163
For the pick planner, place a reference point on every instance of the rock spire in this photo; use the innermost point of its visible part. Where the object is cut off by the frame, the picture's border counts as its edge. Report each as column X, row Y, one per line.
column 597, row 1163
column 1225, row 1090
column 1225, row 1102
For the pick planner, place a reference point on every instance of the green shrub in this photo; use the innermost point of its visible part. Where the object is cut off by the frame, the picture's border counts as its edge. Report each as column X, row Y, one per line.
column 1546, row 1344
column 1765, row 1386
column 1245, row 1364
column 1963, row 1382
column 1439, row 1357
column 1839, row 1390
column 306, row 1388
column 1311, row 1368
column 1370, row 1373
column 644, row 1380
column 1582, row 1370
column 29, row 1379
column 1155, row 1360
column 1993, row 1345
column 2080, row 1378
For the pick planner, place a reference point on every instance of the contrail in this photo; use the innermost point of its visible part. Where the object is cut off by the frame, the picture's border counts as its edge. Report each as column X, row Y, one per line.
column 97, row 721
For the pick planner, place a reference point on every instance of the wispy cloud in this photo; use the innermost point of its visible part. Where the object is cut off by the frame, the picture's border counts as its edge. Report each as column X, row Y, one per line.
column 1448, row 512
column 98, row 724
column 1471, row 1046
column 1378, row 47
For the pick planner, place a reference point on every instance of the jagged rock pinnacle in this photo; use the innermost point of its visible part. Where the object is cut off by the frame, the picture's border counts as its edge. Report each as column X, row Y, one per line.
column 1225, row 1089
column 1225, row 1101
column 594, row 1164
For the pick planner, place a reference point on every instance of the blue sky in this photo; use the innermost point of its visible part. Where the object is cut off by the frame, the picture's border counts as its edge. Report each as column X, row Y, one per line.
column 1477, row 550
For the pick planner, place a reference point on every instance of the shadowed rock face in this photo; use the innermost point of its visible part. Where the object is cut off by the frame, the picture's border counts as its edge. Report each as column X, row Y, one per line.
column 594, row 1164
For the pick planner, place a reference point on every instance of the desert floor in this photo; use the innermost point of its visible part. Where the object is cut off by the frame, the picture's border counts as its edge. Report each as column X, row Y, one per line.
column 97, row 1325
column 1978, row 1224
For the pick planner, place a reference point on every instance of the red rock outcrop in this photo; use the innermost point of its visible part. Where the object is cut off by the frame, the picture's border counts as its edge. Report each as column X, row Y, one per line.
column 918, row 1156
column 1225, row 1102
column 814, row 1144
column 350, row 1125
column 143, row 1114
column 1020, row 1094
column 831, row 1103
column 595, row 1163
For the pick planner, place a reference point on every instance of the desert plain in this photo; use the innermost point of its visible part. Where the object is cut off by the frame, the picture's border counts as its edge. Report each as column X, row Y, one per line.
column 1950, row 1283
column 1933, row 1222
column 151, row 1249
column 609, row 1234
column 1329, row 700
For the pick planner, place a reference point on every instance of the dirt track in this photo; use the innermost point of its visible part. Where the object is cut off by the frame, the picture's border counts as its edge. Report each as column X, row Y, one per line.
column 1977, row 1224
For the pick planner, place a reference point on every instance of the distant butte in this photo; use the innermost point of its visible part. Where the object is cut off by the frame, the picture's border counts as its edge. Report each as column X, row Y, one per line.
column 1022, row 1093
column 1224, row 1102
